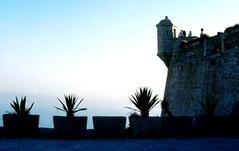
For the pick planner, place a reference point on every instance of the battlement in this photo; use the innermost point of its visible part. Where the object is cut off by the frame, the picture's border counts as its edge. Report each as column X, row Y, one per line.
column 205, row 47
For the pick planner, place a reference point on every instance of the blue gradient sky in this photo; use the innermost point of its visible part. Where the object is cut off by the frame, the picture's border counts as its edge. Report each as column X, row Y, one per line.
column 101, row 50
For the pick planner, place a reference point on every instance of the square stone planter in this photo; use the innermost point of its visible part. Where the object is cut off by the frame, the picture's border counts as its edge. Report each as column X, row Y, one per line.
column 215, row 125
column 15, row 125
column 109, row 126
column 145, row 126
column 70, row 127
column 177, row 126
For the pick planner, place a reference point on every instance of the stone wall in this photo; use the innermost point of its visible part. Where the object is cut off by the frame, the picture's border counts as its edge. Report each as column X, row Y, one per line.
column 185, row 84
column 199, row 72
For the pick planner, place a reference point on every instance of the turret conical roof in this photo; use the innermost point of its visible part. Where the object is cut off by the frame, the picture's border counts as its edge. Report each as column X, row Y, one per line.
column 165, row 22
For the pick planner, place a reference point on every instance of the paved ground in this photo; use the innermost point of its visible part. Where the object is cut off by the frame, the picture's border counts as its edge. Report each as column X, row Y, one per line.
column 175, row 144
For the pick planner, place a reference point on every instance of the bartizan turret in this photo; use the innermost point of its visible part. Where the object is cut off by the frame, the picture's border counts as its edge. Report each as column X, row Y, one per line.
column 166, row 33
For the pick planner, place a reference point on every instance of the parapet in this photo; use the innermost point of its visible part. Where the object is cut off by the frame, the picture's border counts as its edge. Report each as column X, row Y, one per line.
column 205, row 46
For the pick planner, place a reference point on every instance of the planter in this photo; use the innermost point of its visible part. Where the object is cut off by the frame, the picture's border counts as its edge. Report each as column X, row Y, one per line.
column 177, row 125
column 109, row 126
column 215, row 125
column 145, row 126
column 70, row 127
column 16, row 125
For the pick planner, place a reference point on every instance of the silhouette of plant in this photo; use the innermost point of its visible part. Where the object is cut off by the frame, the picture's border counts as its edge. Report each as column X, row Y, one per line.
column 70, row 106
column 209, row 106
column 20, row 108
column 143, row 101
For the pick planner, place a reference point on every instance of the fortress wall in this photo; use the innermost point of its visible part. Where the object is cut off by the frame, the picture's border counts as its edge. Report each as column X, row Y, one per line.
column 200, row 68
column 228, row 80
column 184, row 86
column 197, row 77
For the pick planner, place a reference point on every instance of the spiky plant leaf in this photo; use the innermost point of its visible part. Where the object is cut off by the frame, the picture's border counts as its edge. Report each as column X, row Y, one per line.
column 78, row 104
column 81, row 109
column 64, row 108
column 29, row 109
column 132, row 109
column 59, row 108
column 23, row 104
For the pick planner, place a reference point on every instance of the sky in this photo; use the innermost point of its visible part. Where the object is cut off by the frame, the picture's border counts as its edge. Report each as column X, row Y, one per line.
column 100, row 50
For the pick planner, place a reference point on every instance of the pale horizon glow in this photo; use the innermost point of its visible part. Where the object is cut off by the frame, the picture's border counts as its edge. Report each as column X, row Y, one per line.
column 102, row 51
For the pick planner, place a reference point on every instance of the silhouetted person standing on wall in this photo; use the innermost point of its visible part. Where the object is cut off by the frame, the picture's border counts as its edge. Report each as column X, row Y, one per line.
column 165, row 108
column 201, row 32
column 184, row 33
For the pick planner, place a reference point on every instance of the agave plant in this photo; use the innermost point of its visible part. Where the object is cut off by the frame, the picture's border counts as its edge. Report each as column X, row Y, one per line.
column 70, row 106
column 143, row 101
column 209, row 105
column 20, row 108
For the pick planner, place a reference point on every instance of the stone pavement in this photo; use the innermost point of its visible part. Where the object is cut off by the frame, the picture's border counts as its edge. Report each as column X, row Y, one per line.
column 162, row 144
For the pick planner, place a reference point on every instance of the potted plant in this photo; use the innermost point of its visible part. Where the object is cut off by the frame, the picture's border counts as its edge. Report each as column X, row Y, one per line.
column 20, row 122
column 143, row 125
column 209, row 123
column 175, row 125
column 70, row 126
column 109, row 126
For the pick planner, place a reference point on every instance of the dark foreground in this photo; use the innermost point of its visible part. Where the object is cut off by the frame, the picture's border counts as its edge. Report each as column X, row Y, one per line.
column 161, row 144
